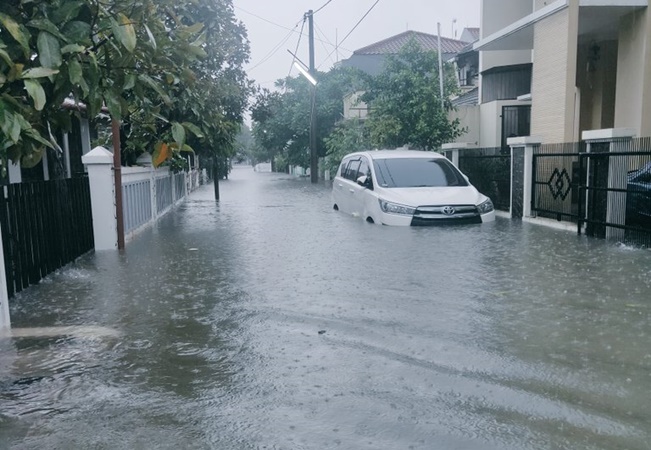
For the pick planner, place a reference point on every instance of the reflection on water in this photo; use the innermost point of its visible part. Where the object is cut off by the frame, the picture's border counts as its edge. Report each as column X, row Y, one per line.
column 270, row 321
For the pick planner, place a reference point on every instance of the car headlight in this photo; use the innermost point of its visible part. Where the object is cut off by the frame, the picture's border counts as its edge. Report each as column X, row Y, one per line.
column 395, row 208
column 486, row 207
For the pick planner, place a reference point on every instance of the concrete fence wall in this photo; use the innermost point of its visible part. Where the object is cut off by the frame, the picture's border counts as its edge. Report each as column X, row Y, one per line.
column 147, row 194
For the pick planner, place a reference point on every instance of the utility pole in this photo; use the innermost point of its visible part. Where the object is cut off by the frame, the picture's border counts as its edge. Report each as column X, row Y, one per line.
column 441, row 68
column 117, row 173
column 314, row 160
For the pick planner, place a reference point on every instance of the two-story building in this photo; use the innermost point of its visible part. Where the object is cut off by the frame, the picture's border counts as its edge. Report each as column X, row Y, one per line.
column 556, row 68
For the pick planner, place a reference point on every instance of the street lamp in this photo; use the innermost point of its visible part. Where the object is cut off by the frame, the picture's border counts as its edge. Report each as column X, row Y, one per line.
column 305, row 73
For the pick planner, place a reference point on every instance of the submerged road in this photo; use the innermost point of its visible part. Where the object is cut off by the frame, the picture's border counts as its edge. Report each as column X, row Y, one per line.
column 269, row 321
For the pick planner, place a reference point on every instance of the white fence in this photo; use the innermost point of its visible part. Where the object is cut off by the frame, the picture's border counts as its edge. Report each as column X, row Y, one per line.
column 147, row 194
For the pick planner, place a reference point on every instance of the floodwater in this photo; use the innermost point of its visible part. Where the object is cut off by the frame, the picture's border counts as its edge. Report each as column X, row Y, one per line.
column 269, row 321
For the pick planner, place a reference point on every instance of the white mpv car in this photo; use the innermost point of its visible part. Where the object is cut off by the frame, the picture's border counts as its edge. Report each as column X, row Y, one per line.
column 407, row 187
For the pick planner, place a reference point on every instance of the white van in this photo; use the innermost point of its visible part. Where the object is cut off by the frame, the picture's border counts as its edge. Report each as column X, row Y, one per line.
column 407, row 187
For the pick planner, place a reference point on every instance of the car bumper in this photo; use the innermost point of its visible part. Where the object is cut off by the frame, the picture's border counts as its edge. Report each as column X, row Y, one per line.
column 400, row 220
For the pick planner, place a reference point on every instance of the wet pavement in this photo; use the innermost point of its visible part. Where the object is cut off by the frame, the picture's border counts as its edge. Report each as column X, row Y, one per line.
column 269, row 321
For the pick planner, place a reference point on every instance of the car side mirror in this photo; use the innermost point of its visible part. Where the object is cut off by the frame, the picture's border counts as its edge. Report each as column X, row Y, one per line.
column 364, row 181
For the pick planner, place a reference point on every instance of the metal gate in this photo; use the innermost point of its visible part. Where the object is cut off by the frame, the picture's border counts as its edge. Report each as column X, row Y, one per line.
column 605, row 193
column 615, row 197
column 557, row 176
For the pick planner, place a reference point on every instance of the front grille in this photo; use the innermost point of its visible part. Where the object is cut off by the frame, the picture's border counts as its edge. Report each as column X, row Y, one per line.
column 446, row 215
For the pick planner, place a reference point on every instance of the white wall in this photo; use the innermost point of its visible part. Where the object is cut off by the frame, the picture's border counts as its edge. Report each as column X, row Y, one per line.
column 469, row 117
column 496, row 15
column 633, row 74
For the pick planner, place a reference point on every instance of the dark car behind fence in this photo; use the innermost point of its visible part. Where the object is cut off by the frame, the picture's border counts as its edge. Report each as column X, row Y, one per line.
column 489, row 170
column 45, row 225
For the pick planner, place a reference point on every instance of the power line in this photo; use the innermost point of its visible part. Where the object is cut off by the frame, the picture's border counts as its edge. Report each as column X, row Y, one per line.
column 354, row 28
column 323, row 45
column 293, row 30
column 326, row 4
column 267, row 20
column 296, row 50
column 274, row 50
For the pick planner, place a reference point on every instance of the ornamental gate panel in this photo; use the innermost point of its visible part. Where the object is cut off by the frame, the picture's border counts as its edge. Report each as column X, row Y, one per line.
column 556, row 178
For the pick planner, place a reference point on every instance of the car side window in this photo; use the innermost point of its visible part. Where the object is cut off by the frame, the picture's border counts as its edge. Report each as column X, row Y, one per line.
column 353, row 168
column 343, row 167
column 364, row 169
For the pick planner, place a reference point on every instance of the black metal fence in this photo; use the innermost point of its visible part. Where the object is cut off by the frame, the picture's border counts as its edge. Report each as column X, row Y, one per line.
column 45, row 225
column 616, row 191
column 606, row 192
column 489, row 170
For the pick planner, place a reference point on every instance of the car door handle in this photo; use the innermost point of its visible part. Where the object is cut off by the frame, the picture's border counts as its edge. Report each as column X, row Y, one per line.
column 352, row 191
column 341, row 185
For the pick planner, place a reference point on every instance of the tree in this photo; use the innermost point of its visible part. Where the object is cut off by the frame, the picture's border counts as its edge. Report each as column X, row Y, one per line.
column 405, row 101
column 348, row 136
column 171, row 70
column 282, row 118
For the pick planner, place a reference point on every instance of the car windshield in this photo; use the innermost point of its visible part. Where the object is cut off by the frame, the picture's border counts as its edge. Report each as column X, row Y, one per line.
column 417, row 172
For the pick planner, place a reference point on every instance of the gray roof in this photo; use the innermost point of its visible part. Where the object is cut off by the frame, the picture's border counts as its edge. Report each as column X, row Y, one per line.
column 394, row 44
column 470, row 98
column 371, row 58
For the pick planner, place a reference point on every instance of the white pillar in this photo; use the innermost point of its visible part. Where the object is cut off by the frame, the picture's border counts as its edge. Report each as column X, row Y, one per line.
column 618, row 140
column 99, row 164
column 522, row 174
column 455, row 148
column 13, row 170
column 5, row 322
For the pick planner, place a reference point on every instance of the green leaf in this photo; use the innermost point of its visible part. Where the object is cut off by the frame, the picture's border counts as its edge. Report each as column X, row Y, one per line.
column 113, row 104
column 73, row 48
column 125, row 32
column 17, row 32
column 152, row 40
column 49, row 50
column 78, row 31
column 129, row 82
column 187, row 148
column 37, row 137
column 74, row 72
column 178, row 132
column 36, row 92
column 39, row 72
column 46, row 25
column 194, row 129
column 156, row 87
column 3, row 79
column 67, row 11
column 11, row 126
column 4, row 55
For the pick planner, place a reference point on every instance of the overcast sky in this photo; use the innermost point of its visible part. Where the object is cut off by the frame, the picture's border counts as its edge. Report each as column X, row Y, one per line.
column 270, row 24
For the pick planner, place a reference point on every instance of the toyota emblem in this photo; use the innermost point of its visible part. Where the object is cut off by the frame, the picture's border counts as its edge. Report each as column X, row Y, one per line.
column 448, row 211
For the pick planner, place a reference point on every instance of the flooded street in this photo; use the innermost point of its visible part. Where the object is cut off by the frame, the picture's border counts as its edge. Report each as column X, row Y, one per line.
column 269, row 321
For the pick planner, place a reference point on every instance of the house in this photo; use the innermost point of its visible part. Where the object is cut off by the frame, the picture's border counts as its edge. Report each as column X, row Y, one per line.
column 370, row 59
column 556, row 68
column 73, row 146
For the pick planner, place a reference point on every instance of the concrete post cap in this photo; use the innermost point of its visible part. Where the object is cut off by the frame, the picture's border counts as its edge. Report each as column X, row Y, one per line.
column 98, row 155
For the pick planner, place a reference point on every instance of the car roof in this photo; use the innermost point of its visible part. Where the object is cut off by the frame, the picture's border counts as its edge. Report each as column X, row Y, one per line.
column 399, row 153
